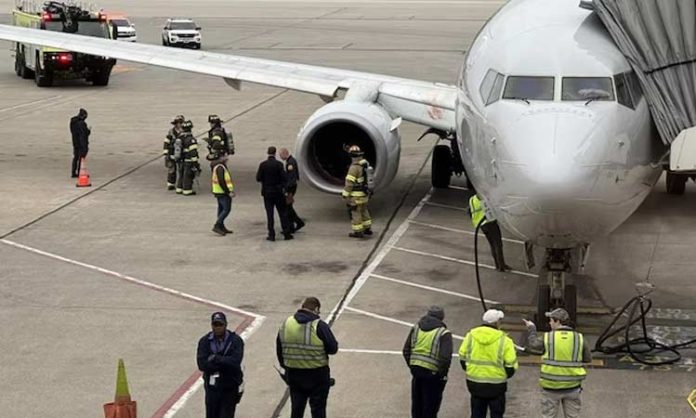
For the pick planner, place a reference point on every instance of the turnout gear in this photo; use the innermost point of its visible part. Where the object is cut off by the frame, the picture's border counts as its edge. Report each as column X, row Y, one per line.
column 356, row 194
column 219, row 141
column 562, row 366
column 190, row 160
column 172, row 151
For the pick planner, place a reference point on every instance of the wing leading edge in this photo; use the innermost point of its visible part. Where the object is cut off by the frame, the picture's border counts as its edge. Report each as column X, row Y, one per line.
column 426, row 103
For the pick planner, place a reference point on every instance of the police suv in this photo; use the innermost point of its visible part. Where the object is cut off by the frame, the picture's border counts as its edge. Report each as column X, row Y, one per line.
column 181, row 32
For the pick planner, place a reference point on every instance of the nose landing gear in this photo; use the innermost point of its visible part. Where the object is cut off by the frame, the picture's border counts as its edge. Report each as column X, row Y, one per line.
column 555, row 288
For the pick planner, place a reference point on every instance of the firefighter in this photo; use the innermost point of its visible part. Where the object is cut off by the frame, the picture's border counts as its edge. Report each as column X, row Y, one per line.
column 356, row 193
column 189, row 154
column 168, row 151
column 219, row 141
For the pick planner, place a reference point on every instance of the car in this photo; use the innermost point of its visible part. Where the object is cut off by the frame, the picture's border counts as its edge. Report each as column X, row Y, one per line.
column 125, row 30
column 181, row 32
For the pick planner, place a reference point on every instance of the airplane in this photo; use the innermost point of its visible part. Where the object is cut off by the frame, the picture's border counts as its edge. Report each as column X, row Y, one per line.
column 546, row 119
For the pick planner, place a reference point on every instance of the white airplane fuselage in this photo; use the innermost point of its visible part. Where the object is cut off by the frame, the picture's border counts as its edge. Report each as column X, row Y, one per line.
column 556, row 172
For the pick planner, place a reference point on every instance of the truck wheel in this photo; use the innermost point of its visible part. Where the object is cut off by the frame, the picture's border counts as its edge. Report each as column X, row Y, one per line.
column 441, row 167
column 43, row 78
column 676, row 183
column 101, row 78
column 18, row 62
column 24, row 71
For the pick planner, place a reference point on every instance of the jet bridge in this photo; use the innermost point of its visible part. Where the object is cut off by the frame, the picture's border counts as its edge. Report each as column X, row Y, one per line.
column 658, row 37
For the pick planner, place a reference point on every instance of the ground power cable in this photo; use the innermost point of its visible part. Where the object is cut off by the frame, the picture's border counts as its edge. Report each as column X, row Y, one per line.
column 363, row 266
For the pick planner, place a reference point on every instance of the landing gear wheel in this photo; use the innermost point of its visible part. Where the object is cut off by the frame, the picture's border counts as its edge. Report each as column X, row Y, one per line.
column 543, row 304
column 675, row 183
column 570, row 297
column 441, row 171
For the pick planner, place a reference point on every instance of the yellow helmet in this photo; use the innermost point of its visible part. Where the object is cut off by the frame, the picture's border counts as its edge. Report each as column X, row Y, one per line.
column 355, row 151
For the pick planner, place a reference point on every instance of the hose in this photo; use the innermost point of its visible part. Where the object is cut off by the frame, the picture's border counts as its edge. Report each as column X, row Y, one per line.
column 476, row 263
column 650, row 347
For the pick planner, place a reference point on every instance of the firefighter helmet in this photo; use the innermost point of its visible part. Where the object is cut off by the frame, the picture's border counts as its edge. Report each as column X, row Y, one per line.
column 355, row 151
column 214, row 119
column 187, row 126
column 178, row 119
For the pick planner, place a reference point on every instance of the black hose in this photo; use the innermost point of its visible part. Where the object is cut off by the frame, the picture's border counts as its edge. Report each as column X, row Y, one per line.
column 651, row 347
column 476, row 263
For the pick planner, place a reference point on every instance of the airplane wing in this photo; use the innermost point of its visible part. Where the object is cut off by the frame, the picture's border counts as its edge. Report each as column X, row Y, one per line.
column 425, row 103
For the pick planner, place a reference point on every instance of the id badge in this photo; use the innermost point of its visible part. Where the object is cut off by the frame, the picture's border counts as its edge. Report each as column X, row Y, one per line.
column 213, row 379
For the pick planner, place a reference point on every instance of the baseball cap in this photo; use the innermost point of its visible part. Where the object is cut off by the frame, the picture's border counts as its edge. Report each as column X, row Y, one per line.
column 559, row 314
column 492, row 316
column 218, row 317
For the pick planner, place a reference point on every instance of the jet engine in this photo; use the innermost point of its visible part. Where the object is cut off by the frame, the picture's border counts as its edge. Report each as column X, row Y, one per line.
column 323, row 142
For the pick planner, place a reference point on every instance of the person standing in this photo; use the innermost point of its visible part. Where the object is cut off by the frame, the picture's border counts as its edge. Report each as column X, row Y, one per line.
column 271, row 175
column 80, row 140
column 219, row 141
column 356, row 194
column 168, row 150
column 428, row 353
column 488, row 357
column 491, row 229
column 223, row 190
column 191, row 165
column 564, row 354
column 303, row 346
column 293, row 176
column 219, row 357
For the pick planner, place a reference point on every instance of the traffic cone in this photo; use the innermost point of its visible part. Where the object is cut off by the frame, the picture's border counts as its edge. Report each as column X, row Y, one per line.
column 83, row 178
column 123, row 406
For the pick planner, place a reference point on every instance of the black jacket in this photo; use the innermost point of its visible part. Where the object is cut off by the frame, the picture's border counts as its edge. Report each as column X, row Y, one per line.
column 323, row 332
column 429, row 323
column 80, row 134
column 292, row 172
column 271, row 175
column 228, row 362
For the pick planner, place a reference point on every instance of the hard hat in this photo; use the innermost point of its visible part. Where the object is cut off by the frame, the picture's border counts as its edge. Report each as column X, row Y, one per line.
column 187, row 126
column 214, row 119
column 355, row 150
column 178, row 119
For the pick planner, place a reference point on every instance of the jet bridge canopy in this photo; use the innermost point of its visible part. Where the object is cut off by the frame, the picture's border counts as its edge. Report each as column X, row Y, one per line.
column 658, row 37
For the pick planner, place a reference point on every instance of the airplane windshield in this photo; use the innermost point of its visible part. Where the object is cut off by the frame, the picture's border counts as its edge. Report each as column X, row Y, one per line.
column 587, row 88
column 528, row 88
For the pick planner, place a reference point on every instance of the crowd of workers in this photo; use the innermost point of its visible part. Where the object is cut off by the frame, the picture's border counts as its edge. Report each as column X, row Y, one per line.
column 487, row 355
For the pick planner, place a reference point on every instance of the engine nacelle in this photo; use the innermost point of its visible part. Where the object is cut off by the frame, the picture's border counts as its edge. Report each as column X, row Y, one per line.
column 322, row 143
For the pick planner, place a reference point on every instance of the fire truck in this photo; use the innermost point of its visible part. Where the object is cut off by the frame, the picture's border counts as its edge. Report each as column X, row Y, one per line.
column 47, row 64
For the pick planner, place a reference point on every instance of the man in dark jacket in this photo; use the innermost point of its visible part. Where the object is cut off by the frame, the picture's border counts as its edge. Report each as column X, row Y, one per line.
column 293, row 176
column 428, row 353
column 271, row 175
column 219, row 357
column 80, row 140
column 303, row 346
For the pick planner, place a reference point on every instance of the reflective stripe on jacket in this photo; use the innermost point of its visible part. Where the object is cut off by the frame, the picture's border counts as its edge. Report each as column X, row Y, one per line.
column 217, row 188
column 562, row 366
column 356, row 183
column 425, row 348
column 302, row 347
column 487, row 351
column 477, row 211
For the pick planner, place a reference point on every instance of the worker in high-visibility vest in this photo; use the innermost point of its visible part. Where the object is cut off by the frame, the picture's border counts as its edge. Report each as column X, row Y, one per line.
column 564, row 354
column 428, row 353
column 488, row 356
column 303, row 346
column 490, row 228
column 223, row 190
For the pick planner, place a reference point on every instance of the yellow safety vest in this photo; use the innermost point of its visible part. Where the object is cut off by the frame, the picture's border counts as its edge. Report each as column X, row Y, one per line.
column 487, row 352
column 217, row 189
column 425, row 348
column 562, row 366
column 301, row 346
column 477, row 211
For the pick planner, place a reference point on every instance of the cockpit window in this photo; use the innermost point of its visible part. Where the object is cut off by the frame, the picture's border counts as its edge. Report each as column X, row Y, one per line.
column 528, row 88
column 587, row 88
column 491, row 86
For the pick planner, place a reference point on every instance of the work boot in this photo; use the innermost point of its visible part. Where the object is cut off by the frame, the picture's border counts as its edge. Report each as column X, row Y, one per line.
column 270, row 238
column 170, row 187
column 299, row 225
column 356, row 234
column 229, row 231
column 368, row 231
column 288, row 237
column 219, row 230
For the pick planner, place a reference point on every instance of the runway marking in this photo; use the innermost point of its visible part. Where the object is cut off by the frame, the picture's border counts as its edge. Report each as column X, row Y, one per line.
column 390, row 319
column 461, row 231
column 460, row 261
column 434, row 289
column 459, row 188
column 442, row 205
column 175, row 402
column 35, row 102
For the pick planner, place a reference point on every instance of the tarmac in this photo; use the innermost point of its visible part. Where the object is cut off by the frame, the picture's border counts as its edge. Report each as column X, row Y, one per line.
column 126, row 269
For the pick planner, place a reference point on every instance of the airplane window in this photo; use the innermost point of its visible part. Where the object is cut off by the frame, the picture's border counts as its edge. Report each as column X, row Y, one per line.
column 587, row 88
column 623, row 94
column 487, row 84
column 528, row 88
column 634, row 86
column 497, row 88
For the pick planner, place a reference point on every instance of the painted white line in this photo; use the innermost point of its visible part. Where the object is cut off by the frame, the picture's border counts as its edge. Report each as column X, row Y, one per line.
column 133, row 280
column 458, row 188
column 389, row 319
column 442, row 205
column 460, row 231
column 35, row 102
column 460, row 261
column 434, row 289
column 400, row 231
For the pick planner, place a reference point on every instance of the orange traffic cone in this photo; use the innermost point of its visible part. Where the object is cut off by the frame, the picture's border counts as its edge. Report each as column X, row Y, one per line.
column 83, row 178
column 122, row 407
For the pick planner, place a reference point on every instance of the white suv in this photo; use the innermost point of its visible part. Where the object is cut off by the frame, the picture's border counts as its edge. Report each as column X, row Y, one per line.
column 181, row 32
column 125, row 29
